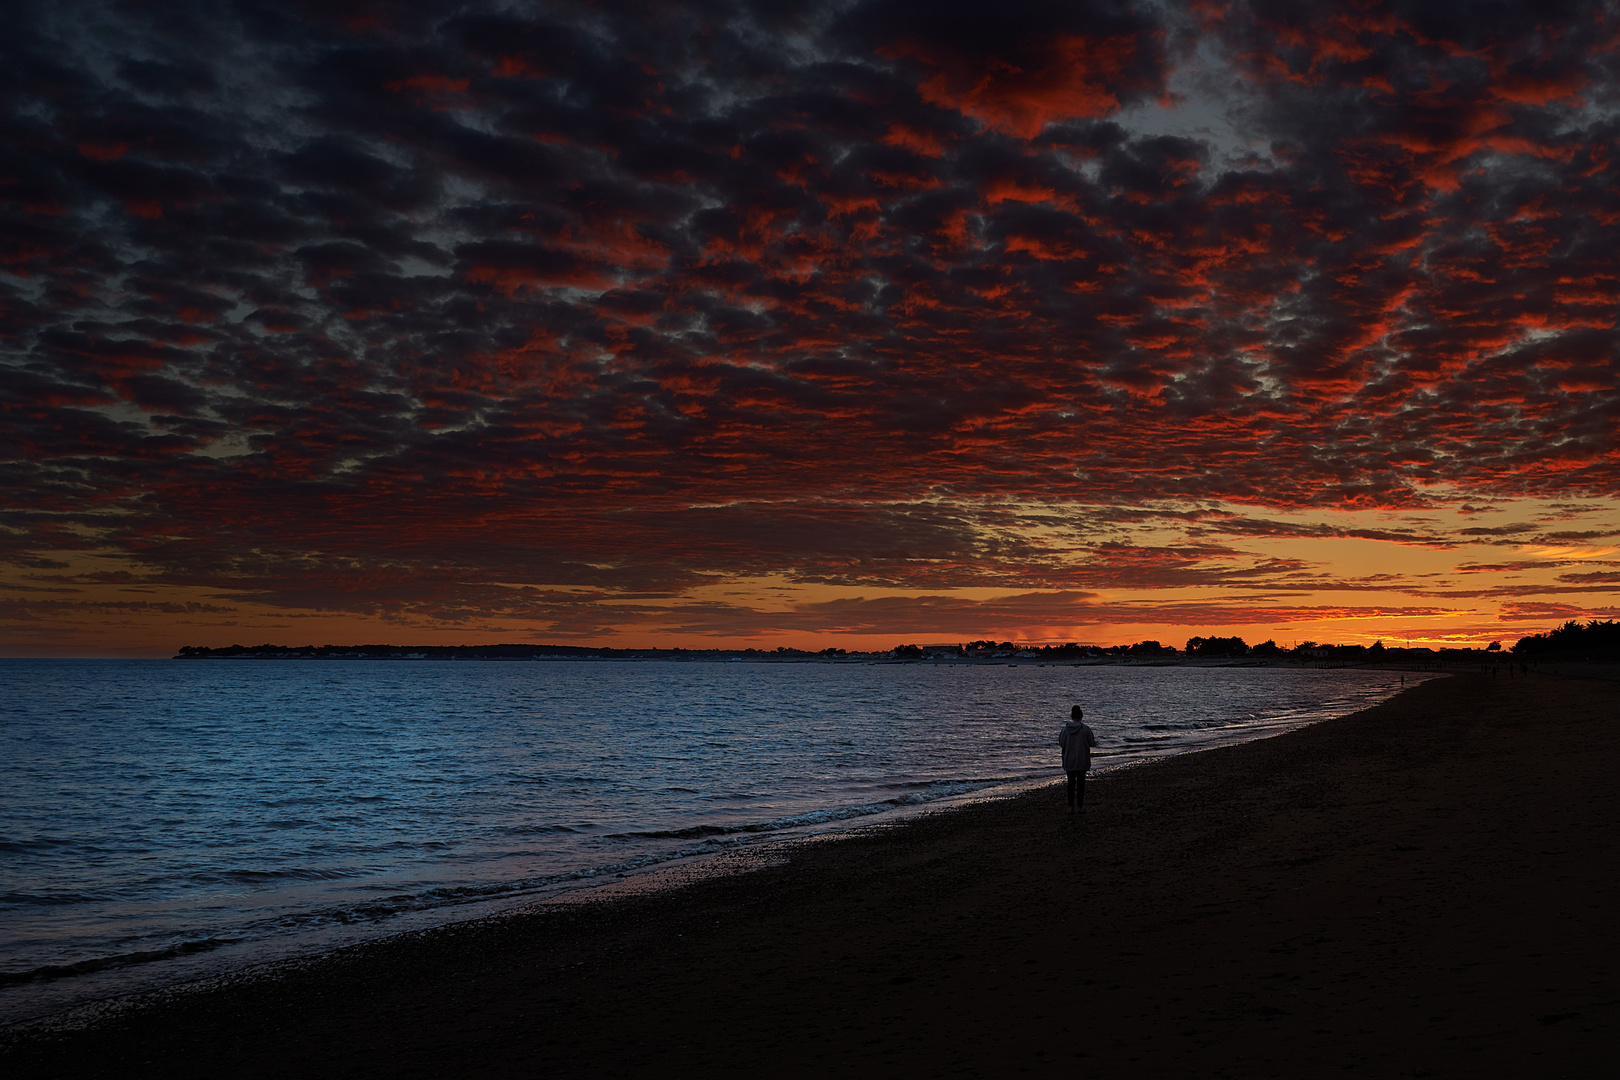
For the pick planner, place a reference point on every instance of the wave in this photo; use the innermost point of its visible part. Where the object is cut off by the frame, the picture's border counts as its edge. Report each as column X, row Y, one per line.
column 932, row 791
column 50, row 899
column 255, row 877
column 19, row 847
column 384, row 908
column 49, row 972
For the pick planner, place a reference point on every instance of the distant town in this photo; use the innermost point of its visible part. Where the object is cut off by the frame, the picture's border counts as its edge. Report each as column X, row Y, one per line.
column 1593, row 641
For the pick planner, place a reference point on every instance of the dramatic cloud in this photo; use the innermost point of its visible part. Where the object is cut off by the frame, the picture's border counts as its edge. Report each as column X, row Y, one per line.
column 720, row 319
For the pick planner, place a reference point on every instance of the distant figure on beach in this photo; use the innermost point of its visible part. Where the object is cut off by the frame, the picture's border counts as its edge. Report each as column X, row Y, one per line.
column 1077, row 739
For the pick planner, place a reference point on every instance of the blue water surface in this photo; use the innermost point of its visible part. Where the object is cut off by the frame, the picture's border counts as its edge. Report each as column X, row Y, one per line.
column 153, row 809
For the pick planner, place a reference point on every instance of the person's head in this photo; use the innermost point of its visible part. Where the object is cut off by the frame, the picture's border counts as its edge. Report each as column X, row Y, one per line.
column 1076, row 714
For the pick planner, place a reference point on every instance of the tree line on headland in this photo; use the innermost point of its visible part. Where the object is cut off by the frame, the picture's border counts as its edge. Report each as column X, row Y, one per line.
column 1574, row 640
column 1598, row 641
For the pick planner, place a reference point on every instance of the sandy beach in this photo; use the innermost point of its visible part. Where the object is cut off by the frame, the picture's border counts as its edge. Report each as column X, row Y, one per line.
column 1427, row 888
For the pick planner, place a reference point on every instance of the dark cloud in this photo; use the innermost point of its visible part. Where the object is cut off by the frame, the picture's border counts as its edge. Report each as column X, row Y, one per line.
column 1544, row 613
column 328, row 304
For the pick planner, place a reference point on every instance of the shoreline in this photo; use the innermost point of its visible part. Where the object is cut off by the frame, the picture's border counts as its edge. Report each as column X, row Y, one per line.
column 25, row 1002
column 1320, row 895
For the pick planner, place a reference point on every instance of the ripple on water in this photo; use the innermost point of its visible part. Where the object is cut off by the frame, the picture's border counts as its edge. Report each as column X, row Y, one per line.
column 157, row 809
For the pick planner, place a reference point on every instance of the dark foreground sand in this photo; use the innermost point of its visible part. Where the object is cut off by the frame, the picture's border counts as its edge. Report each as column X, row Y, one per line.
column 1424, row 889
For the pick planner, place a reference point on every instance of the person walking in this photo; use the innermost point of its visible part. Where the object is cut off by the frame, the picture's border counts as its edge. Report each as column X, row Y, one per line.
column 1077, row 739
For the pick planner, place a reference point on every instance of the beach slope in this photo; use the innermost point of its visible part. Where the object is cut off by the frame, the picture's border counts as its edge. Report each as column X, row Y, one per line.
column 1427, row 888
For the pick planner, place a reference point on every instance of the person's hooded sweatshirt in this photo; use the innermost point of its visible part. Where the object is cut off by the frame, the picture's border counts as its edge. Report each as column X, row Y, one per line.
column 1077, row 739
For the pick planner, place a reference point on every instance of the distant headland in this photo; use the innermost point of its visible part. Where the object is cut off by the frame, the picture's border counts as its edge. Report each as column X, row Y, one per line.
column 1596, row 641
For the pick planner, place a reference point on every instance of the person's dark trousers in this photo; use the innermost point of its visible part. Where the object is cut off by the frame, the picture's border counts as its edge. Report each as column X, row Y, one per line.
column 1077, row 788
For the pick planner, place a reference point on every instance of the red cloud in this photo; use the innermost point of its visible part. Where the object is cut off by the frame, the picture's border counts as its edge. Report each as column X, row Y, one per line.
column 1072, row 76
column 917, row 140
column 441, row 91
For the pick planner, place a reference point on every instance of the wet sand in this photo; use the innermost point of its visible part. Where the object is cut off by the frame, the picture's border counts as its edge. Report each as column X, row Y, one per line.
column 1427, row 888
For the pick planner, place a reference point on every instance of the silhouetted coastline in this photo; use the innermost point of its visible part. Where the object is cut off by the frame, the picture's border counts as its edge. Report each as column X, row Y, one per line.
column 1221, row 652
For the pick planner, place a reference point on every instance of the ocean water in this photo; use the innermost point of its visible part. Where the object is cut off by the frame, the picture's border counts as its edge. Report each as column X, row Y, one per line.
column 152, row 811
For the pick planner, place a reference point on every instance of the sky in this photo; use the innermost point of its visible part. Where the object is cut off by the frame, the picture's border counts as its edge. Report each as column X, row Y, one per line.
column 841, row 324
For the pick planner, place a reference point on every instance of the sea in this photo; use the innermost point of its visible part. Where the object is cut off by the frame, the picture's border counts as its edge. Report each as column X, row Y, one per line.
column 163, row 820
